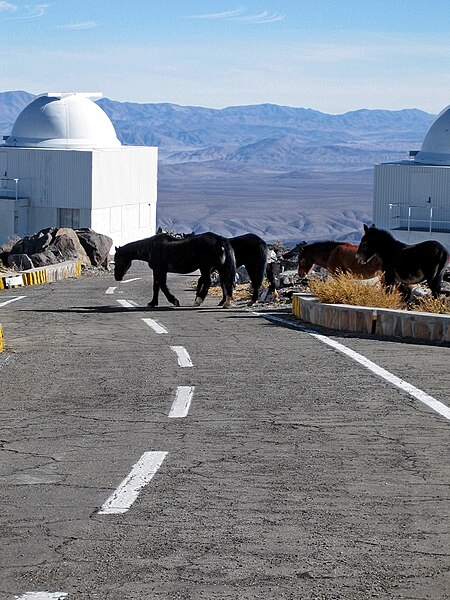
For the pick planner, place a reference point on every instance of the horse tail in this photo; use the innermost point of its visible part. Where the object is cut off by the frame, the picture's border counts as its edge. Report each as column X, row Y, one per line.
column 228, row 274
column 262, row 264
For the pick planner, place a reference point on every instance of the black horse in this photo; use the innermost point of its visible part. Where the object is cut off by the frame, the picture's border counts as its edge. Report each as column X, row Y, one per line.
column 403, row 263
column 165, row 254
column 251, row 252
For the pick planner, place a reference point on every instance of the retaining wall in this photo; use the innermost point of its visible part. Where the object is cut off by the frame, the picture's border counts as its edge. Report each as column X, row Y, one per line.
column 372, row 321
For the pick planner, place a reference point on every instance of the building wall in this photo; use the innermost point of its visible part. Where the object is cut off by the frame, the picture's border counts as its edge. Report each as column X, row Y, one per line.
column 112, row 191
column 413, row 201
column 124, row 192
column 52, row 178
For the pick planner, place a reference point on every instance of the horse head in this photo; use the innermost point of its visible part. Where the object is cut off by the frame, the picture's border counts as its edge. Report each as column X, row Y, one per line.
column 121, row 264
column 305, row 262
column 367, row 248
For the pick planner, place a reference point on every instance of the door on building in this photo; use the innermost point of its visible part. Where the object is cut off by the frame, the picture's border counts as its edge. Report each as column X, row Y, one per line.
column 420, row 206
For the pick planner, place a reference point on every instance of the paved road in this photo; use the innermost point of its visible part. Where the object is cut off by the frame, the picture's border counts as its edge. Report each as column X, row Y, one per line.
column 296, row 473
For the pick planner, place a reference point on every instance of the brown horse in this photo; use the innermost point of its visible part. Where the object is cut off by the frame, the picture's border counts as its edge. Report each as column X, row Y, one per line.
column 335, row 257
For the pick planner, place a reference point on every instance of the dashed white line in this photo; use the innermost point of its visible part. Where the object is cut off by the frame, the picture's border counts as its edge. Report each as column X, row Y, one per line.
column 111, row 290
column 184, row 360
column 11, row 300
column 128, row 491
column 130, row 280
column 42, row 596
column 126, row 304
column 155, row 326
column 182, row 402
column 410, row 389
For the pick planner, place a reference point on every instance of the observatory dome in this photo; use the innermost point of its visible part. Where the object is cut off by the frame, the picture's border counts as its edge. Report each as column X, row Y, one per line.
column 436, row 145
column 57, row 120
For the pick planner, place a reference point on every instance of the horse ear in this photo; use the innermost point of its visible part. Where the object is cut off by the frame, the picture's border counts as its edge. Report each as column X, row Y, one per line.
column 372, row 226
column 366, row 229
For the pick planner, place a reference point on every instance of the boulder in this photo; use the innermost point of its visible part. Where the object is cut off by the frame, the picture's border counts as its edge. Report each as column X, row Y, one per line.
column 20, row 262
column 96, row 245
column 34, row 243
column 42, row 259
column 81, row 254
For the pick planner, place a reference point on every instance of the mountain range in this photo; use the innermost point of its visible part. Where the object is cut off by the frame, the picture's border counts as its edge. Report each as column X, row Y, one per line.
column 283, row 172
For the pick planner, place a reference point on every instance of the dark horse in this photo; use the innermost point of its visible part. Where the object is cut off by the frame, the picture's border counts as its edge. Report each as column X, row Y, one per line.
column 403, row 263
column 333, row 256
column 165, row 254
column 251, row 252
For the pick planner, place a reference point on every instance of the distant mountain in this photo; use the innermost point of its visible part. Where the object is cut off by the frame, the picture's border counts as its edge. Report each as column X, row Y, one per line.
column 264, row 135
column 270, row 135
column 284, row 173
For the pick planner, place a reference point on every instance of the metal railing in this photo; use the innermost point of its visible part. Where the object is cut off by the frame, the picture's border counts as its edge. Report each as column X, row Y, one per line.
column 9, row 187
column 415, row 217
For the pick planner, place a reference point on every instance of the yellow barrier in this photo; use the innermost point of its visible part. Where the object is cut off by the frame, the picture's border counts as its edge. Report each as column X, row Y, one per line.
column 36, row 277
column 1, row 339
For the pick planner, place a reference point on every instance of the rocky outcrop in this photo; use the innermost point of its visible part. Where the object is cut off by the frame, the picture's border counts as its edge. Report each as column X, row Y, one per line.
column 54, row 245
column 96, row 245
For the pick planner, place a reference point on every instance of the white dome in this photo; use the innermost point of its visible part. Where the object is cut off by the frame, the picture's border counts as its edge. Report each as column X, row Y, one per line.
column 63, row 121
column 436, row 145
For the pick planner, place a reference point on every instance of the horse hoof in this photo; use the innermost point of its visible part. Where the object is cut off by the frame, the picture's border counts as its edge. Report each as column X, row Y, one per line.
column 152, row 304
column 176, row 302
column 198, row 301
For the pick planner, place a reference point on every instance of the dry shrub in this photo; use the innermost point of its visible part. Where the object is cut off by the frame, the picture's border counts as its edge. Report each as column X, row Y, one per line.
column 242, row 291
column 345, row 288
column 7, row 246
column 432, row 305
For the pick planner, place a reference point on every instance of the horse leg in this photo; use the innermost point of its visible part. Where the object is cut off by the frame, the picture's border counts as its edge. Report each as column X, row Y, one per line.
column 257, row 280
column 165, row 290
column 227, row 289
column 154, row 301
column 203, row 286
column 435, row 285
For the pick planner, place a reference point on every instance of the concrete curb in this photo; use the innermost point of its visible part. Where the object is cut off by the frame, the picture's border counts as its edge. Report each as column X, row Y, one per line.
column 38, row 276
column 421, row 326
column 41, row 275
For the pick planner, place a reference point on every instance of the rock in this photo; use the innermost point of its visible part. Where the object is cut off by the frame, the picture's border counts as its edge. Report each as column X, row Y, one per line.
column 34, row 243
column 21, row 262
column 41, row 259
column 96, row 245
column 81, row 254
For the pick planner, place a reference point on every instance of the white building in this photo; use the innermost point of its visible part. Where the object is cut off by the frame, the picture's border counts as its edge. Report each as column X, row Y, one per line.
column 63, row 166
column 412, row 197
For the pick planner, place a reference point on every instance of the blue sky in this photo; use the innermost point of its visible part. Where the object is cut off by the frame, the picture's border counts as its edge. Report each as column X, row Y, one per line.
column 333, row 56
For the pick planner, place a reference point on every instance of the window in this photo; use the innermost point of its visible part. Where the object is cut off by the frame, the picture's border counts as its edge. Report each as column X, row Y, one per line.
column 69, row 217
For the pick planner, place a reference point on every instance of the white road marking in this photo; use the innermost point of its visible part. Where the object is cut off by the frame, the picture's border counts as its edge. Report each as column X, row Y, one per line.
column 110, row 290
column 155, row 326
column 410, row 389
column 126, row 304
column 128, row 491
column 42, row 596
column 130, row 280
column 182, row 402
column 11, row 300
column 184, row 360
column 4, row 361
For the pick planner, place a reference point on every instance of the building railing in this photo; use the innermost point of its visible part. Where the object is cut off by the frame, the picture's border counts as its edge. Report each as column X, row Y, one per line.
column 9, row 187
column 415, row 217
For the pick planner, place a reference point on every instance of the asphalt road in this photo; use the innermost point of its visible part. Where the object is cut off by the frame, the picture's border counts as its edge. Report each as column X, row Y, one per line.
column 295, row 472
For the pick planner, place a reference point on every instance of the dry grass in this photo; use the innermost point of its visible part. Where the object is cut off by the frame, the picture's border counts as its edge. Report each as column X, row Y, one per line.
column 242, row 291
column 7, row 246
column 433, row 305
column 345, row 289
